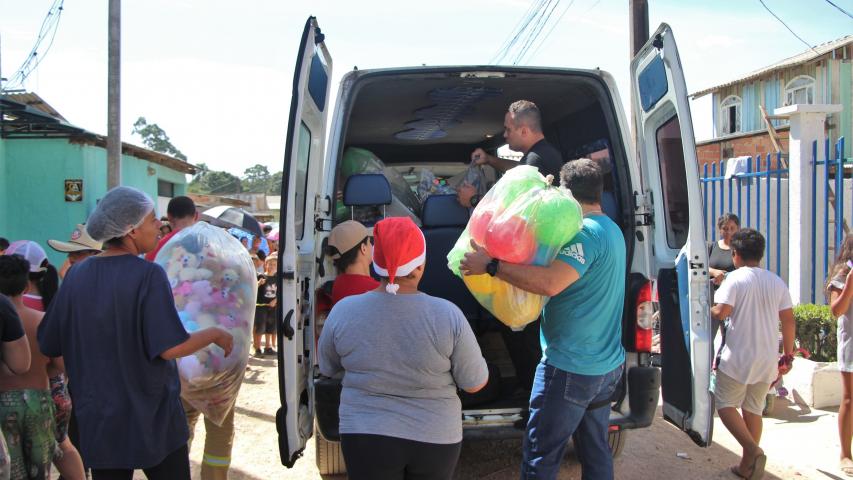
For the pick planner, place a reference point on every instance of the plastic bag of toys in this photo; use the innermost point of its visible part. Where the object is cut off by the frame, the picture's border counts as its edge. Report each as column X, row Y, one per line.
column 522, row 220
column 214, row 284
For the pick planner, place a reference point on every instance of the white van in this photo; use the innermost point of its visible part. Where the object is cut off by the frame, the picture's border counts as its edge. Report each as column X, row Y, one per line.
column 431, row 118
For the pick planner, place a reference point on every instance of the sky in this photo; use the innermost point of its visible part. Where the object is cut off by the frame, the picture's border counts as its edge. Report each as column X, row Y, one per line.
column 217, row 75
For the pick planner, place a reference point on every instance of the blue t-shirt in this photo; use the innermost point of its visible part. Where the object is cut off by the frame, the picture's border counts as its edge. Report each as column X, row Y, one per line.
column 582, row 325
column 111, row 320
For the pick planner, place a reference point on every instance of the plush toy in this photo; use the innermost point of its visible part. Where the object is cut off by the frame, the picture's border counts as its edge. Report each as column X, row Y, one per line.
column 214, row 285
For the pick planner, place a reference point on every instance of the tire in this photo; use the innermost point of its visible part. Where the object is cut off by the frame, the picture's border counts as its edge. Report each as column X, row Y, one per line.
column 616, row 439
column 329, row 456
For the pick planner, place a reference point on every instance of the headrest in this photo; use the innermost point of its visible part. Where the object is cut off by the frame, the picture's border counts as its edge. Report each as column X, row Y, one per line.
column 367, row 189
column 443, row 211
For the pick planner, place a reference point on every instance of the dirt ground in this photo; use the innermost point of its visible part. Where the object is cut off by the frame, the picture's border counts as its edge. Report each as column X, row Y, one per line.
column 800, row 443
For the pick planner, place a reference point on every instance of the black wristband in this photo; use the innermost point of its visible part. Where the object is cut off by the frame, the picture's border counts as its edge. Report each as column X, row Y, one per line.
column 492, row 267
column 475, row 199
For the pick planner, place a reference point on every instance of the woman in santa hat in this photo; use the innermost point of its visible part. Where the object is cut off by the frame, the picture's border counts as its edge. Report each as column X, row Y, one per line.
column 403, row 354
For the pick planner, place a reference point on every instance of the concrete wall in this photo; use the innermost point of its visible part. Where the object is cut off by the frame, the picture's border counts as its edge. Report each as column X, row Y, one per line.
column 32, row 178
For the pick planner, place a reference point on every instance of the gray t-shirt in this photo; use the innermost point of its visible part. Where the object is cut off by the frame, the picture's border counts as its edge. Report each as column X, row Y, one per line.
column 403, row 357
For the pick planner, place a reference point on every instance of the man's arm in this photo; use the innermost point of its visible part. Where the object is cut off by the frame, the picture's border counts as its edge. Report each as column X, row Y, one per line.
column 16, row 355
column 548, row 281
column 480, row 157
column 789, row 330
column 721, row 311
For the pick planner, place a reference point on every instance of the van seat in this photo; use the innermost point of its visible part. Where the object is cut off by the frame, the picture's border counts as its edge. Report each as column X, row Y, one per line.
column 444, row 219
column 367, row 189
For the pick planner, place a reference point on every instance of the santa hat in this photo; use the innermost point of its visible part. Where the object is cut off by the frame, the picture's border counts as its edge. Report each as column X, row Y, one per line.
column 399, row 248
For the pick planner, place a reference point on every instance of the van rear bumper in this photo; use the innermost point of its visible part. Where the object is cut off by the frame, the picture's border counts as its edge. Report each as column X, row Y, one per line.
column 498, row 424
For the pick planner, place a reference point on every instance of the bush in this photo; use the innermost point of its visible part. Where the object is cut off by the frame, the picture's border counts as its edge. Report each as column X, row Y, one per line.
column 816, row 331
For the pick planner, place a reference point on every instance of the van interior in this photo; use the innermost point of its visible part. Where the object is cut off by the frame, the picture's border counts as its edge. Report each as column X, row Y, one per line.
column 416, row 122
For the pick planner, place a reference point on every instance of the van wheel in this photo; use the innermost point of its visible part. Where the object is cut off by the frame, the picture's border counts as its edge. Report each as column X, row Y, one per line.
column 329, row 456
column 616, row 439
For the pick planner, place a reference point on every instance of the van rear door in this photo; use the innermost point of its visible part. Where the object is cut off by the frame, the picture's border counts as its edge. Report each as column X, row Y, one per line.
column 303, row 164
column 667, row 152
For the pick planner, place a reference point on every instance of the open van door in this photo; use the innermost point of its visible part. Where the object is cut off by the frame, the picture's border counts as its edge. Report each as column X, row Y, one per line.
column 667, row 153
column 303, row 164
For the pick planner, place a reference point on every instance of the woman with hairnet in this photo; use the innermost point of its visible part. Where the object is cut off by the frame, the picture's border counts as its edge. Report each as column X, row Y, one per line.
column 114, row 322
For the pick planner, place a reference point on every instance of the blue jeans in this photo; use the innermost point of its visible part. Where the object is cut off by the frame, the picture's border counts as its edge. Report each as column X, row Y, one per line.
column 558, row 410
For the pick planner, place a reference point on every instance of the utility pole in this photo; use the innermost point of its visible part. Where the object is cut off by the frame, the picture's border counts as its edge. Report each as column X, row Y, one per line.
column 638, row 19
column 114, row 96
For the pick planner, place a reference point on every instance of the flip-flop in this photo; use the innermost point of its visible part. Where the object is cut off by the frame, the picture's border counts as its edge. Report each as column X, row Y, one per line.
column 847, row 467
column 758, row 467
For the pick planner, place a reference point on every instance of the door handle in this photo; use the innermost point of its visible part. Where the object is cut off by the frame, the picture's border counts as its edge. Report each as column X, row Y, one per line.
column 287, row 327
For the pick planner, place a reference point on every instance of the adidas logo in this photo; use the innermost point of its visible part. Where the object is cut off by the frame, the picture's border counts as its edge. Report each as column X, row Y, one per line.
column 575, row 251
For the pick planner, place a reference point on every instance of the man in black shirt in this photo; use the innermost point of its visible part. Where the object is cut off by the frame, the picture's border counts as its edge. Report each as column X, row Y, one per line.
column 523, row 133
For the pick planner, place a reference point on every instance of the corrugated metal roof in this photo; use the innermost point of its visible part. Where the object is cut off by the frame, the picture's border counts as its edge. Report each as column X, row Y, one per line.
column 33, row 100
column 798, row 59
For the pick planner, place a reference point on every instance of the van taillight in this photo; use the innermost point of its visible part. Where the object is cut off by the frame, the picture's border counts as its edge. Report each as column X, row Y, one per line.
column 645, row 314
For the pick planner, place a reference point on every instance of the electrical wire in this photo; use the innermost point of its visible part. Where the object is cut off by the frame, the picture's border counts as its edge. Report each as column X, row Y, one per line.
column 533, row 12
column 49, row 26
column 537, row 30
column 518, row 28
column 786, row 26
column 845, row 12
column 548, row 35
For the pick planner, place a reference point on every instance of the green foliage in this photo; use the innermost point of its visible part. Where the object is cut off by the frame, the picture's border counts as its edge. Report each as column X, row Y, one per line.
column 275, row 184
column 156, row 139
column 216, row 183
column 256, row 179
column 816, row 331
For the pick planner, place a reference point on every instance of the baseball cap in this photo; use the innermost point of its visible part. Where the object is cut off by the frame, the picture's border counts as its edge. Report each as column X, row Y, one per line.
column 345, row 236
column 31, row 251
column 80, row 241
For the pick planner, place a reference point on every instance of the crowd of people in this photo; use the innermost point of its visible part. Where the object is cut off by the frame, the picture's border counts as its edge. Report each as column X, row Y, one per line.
column 88, row 379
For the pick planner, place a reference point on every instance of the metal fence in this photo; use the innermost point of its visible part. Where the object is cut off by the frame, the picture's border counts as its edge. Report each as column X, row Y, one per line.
column 756, row 190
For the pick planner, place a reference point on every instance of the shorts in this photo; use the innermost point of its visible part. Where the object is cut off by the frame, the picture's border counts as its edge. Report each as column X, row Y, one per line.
column 264, row 320
column 845, row 344
column 26, row 417
column 62, row 404
column 728, row 392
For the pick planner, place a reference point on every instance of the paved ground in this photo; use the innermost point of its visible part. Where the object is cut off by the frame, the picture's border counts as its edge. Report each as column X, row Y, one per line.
column 800, row 443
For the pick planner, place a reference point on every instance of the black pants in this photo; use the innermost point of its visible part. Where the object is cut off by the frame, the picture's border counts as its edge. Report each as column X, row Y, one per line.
column 370, row 457
column 525, row 351
column 176, row 466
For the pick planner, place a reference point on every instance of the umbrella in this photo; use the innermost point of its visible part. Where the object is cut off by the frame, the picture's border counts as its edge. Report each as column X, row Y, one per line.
column 227, row 217
column 273, row 235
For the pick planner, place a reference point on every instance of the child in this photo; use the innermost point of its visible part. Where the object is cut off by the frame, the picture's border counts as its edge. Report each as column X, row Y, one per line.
column 754, row 299
column 840, row 290
column 26, row 404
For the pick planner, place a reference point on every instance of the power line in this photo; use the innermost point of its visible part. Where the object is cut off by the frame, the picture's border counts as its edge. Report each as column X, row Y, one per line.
column 518, row 28
column 554, row 26
column 786, row 26
column 537, row 30
column 845, row 12
column 49, row 27
column 533, row 12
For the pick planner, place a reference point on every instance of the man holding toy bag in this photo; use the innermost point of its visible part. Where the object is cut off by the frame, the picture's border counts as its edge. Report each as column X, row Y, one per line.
column 581, row 334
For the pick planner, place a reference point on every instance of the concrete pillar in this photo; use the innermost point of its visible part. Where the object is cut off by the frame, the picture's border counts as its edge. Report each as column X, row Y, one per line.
column 807, row 126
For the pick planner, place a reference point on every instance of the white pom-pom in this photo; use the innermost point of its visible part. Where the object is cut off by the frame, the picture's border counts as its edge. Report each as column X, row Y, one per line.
column 392, row 288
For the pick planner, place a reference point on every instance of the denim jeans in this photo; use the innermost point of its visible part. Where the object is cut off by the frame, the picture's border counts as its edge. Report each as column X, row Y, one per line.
column 558, row 410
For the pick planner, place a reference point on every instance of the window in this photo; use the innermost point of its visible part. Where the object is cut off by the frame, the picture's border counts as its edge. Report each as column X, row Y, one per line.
column 303, row 155
column 730, row 115
column 653, row 83
column 673, row 175
column 800, row 90
column 165, row 189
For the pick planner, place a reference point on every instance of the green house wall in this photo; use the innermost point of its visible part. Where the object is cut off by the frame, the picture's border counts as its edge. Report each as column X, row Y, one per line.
column 32, row 180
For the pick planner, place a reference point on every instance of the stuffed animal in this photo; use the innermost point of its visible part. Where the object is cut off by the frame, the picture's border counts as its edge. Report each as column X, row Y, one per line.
column 214, row 285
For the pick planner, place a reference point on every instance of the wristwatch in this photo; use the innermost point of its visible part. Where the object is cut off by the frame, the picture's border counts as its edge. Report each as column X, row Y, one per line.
column 475, row 199
column 492, row 267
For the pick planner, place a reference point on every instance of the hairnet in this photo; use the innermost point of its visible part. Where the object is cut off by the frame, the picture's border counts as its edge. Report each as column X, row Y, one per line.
column 120, row 211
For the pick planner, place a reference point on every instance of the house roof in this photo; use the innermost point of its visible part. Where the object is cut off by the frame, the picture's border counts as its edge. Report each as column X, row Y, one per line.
column 26, row 115
column 798, row 59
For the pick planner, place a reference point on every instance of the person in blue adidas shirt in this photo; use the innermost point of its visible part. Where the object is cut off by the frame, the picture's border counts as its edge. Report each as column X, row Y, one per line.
column 582, row 353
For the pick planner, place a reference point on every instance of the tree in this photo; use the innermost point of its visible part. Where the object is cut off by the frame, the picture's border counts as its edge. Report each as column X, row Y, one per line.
column 201, row 170
column 216, row 182
column 256, row 178
column 156, row 139
column 275, row 184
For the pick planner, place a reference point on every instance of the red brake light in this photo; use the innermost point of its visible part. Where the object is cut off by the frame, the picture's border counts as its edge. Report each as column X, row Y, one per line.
column 645, row 314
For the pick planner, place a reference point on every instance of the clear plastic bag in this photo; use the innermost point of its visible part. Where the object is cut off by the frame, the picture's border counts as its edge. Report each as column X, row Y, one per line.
column 430, row 185
column 522, row 220
column 359, row 160
column 214, row 285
